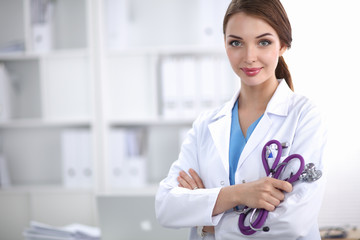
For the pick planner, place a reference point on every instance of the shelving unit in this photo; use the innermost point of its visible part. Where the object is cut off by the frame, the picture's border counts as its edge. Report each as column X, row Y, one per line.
column 102, row 74
column 50, row 91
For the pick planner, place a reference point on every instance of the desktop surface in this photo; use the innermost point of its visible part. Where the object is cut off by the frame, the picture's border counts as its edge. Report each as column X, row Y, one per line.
column 132, row 218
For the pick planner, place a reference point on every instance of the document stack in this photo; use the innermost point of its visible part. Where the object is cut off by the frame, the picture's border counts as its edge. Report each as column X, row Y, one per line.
column 5, row 94
column 41, row 231
column 77, row 158
column 127, row 158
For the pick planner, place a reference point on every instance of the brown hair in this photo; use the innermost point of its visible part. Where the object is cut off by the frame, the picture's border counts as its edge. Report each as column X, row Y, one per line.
column 272, row 12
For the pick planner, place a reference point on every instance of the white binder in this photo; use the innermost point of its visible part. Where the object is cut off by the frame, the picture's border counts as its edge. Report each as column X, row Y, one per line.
column 5, row 94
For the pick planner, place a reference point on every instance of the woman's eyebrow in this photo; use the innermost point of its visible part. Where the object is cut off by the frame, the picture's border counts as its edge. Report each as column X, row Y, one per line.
column 263, row 35
column 260, row 36
column 233, row 36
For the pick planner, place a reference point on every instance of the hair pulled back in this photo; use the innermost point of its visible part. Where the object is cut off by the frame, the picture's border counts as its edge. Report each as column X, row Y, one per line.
column 272, row 12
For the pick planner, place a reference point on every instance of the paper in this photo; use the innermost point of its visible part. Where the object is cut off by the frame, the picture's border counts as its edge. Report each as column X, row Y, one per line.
column 74, row 231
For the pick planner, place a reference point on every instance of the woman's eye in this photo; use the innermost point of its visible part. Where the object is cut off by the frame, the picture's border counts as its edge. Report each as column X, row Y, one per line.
column 264, row 43
column 235, row 43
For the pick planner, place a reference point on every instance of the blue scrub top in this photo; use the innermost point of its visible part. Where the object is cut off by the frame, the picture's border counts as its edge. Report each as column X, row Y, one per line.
column 237, row 141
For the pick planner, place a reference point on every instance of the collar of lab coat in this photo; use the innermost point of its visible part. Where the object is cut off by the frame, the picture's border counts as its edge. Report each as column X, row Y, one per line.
column 278, row 104
column 221, row 123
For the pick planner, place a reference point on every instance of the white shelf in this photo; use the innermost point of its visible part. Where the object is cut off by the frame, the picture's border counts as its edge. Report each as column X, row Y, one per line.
column 169, row 50
column 37, row 123
column 42, row 189
column 151, row 122
column 83, row 82
column 148, row 190
column 18, row 56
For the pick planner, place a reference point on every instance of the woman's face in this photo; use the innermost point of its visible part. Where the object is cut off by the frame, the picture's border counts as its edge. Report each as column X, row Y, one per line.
column 253, row 48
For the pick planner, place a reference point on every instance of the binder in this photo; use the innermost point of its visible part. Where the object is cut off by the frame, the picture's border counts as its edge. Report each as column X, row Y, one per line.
column 5, row 94
column 208, row 83
column 76, row 158
column 117, row 25
column 4, row 172
column 170, row 88
column 42, row 20
column 116, row 172
column 86, row 173
column 187, row 81
column 69, row 159
column 135, row 158
column 127, row 158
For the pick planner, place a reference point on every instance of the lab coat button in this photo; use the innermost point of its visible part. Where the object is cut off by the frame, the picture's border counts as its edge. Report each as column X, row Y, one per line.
column 222, row 183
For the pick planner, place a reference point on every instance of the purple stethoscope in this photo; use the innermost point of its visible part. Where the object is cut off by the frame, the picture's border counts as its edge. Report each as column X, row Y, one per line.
column 306, row 173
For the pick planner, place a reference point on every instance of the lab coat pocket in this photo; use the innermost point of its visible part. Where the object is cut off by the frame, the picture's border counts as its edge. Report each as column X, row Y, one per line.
column 228, row 227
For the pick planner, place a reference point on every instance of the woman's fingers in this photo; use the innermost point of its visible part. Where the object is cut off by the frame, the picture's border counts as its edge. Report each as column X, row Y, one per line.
column 185, row 180
column 196, row 177
column 282, row 185
column 191, row 182
column 183, row 183
column 265, row 193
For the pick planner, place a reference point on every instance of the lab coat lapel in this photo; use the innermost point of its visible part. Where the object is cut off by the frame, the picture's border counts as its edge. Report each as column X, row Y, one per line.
column 220, row 131
column 255, row 139
column 278, row 105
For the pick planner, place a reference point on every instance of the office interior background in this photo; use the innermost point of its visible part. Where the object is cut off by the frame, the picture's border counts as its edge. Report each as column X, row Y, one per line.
column 97, row 95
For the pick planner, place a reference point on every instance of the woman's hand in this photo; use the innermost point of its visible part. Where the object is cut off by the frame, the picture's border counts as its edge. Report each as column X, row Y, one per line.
column 266, row 193
column 193, row 182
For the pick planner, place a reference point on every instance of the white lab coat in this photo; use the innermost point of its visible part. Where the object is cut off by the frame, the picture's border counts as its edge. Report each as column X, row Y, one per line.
column 289, row 118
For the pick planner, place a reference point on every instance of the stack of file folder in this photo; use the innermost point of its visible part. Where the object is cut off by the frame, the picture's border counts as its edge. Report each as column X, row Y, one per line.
column 41, row 231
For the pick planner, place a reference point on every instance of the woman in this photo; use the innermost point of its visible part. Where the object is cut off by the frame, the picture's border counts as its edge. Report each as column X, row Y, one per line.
column 219, row 166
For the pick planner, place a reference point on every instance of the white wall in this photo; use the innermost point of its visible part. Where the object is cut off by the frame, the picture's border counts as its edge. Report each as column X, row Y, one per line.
column 324, row 62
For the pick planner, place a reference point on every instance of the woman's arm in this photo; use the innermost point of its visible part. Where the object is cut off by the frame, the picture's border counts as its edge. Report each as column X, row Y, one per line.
column 264, row 193
column 180, row 207
column 193, row 182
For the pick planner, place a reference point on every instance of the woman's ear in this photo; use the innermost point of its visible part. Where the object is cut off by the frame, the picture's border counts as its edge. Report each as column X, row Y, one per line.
column 282, row 50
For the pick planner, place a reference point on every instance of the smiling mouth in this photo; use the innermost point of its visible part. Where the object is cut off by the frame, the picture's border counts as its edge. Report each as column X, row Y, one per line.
column 251, row 71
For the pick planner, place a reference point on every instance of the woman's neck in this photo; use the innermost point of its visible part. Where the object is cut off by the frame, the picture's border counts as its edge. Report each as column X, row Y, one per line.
column 256, row 98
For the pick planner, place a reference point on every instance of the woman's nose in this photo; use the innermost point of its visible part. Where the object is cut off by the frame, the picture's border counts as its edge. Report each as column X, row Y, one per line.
column 250, row 54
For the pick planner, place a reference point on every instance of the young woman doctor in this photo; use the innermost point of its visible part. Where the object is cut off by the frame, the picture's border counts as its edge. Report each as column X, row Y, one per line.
column 220, row 167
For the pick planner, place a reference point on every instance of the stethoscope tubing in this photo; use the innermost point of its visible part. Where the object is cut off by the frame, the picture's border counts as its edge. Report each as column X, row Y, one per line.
column 273, row 172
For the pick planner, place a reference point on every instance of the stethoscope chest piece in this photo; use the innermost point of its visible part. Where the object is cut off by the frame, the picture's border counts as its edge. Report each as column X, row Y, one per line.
column 310, row 174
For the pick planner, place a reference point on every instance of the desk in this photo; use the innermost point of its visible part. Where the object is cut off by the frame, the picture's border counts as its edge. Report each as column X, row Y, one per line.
column 352, row 235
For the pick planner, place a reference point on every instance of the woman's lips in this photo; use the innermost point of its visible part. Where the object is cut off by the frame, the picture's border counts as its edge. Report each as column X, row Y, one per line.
column 251, row 71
